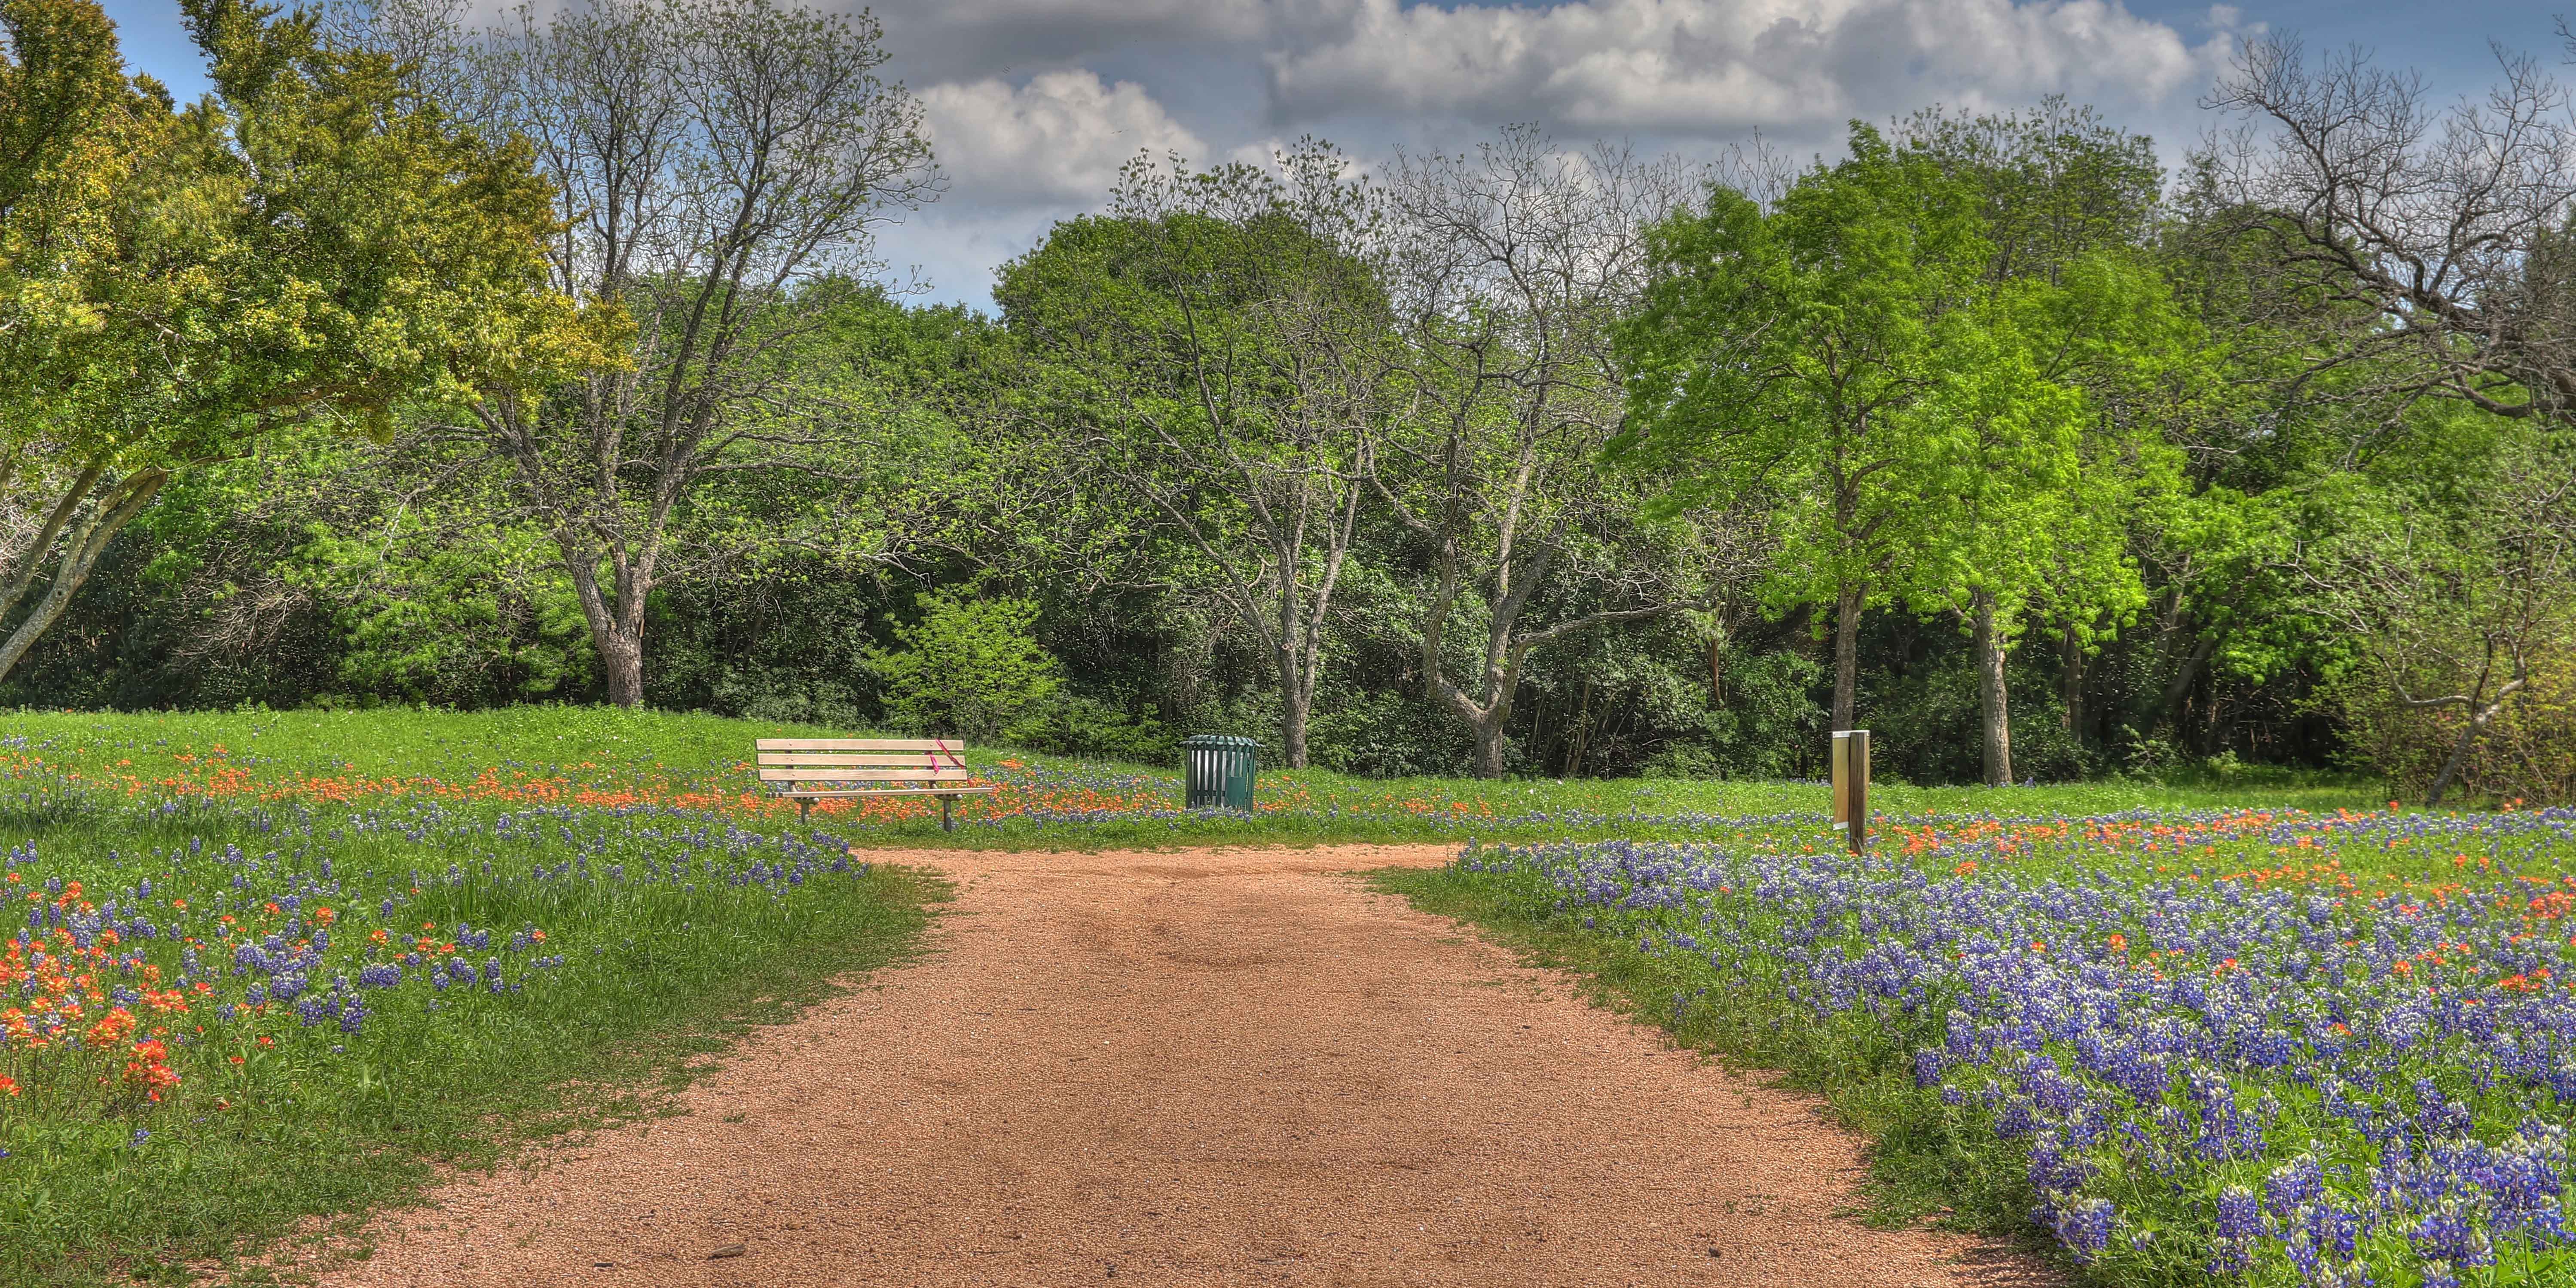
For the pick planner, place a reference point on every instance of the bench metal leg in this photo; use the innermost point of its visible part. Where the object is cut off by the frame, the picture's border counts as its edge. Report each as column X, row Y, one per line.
column 804, row 812
column 946, row 823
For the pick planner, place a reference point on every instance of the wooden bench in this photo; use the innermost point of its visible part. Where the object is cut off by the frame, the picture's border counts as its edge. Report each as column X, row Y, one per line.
column 806, row 770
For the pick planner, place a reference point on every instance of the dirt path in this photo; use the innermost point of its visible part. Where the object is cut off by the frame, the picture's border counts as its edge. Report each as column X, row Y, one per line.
column 1202, row 1068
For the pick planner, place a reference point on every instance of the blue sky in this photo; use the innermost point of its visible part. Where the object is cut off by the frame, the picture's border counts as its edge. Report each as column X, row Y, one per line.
column 1032, row 104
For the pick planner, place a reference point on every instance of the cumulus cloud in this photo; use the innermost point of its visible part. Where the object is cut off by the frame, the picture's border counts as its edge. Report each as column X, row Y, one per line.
column 1058, row 139
column 1718, row 68
column 953, row 39
column 1033, row 105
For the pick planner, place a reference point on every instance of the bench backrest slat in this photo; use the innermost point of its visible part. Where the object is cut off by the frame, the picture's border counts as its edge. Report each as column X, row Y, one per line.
column 888, row 759
column 860, row 744
column 792, row 775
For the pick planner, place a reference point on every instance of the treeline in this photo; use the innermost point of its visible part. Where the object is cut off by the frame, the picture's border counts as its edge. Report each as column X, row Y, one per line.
column 551, row 362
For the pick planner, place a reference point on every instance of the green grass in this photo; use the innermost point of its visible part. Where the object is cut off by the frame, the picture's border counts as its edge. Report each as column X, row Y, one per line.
column 1050, row 802
column 549, row 818
column 277, row 1116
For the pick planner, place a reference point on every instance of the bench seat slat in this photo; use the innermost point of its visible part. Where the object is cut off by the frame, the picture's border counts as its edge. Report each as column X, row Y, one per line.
column 887, row 759
column 777, row 775
column 858, row 744
column 793, row 793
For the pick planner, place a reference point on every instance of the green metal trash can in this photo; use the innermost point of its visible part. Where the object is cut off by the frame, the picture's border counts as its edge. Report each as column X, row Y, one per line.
column 1216, row 771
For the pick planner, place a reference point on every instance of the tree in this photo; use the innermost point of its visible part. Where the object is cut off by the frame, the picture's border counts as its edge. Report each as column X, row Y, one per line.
column 2456, row 607
column 1223, row 338
column 718, row 168
column 2422, row 252
column 2378, row 257
column 1791, row 352
column 2071, row 356
column 1511, row 269
column 313, row 244
column 970, row 667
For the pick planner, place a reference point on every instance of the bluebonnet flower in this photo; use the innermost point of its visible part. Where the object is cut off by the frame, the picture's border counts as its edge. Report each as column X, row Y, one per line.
column 2192, row 1023
column 2084, row 1227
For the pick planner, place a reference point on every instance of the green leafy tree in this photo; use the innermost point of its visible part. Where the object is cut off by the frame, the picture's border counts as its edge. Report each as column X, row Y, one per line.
column 2453, row 580
column 452, row 609
column 313, row 243
column 1937, row 355
column 1224, row 342
column 969, row 667
column 2076, row 353
column 1792, row 352
column 2048, row 464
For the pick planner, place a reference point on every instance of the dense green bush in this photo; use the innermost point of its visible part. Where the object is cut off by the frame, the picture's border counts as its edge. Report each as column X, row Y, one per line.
column 969, row 666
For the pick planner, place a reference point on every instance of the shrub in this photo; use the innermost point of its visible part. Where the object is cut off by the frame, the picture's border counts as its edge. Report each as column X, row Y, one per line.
column 969, row 667
column 1082, row 726
column 2527, row 752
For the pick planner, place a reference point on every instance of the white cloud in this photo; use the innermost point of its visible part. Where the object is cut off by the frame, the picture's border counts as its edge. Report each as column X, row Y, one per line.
column 1723, row 67
column 1058, row 139
column 1033, row 105
column 937, row 40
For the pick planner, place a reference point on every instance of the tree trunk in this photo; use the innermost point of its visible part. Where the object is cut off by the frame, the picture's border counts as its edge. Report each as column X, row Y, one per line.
column 2170, row 706
column 1296, row 700
column 82, row 547
column 2479, row 716
column 1993, row 706
column 1489, row 747
column 2074, row 687
column 621, row 657
column 1292, row 728
column 616, row 629
column 1847, row 609
column 2451, row 767
column 1582, row 733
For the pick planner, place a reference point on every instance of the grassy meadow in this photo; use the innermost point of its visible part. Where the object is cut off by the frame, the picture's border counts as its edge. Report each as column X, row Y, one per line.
column 269, row 966
column 261, row 969
column 605, row 758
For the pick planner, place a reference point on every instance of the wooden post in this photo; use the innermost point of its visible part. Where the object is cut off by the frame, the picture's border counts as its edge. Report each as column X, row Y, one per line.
column 1851, row 786
column 1859, row 832
column 1839, row 762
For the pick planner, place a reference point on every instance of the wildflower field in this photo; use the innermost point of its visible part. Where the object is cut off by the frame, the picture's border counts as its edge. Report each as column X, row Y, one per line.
column 223, row 1011
column 2258, row 1046
column 599, row 758
column 265, row 967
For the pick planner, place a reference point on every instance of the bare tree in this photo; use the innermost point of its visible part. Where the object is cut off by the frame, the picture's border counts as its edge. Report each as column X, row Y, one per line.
column 720, row 167
column 1510, row 268
column 2405, row 250
column 2420, row 249
column 1225, row 340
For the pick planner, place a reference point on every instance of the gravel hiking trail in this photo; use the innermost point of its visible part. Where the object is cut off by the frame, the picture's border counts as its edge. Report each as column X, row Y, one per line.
column 1200, row 1067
